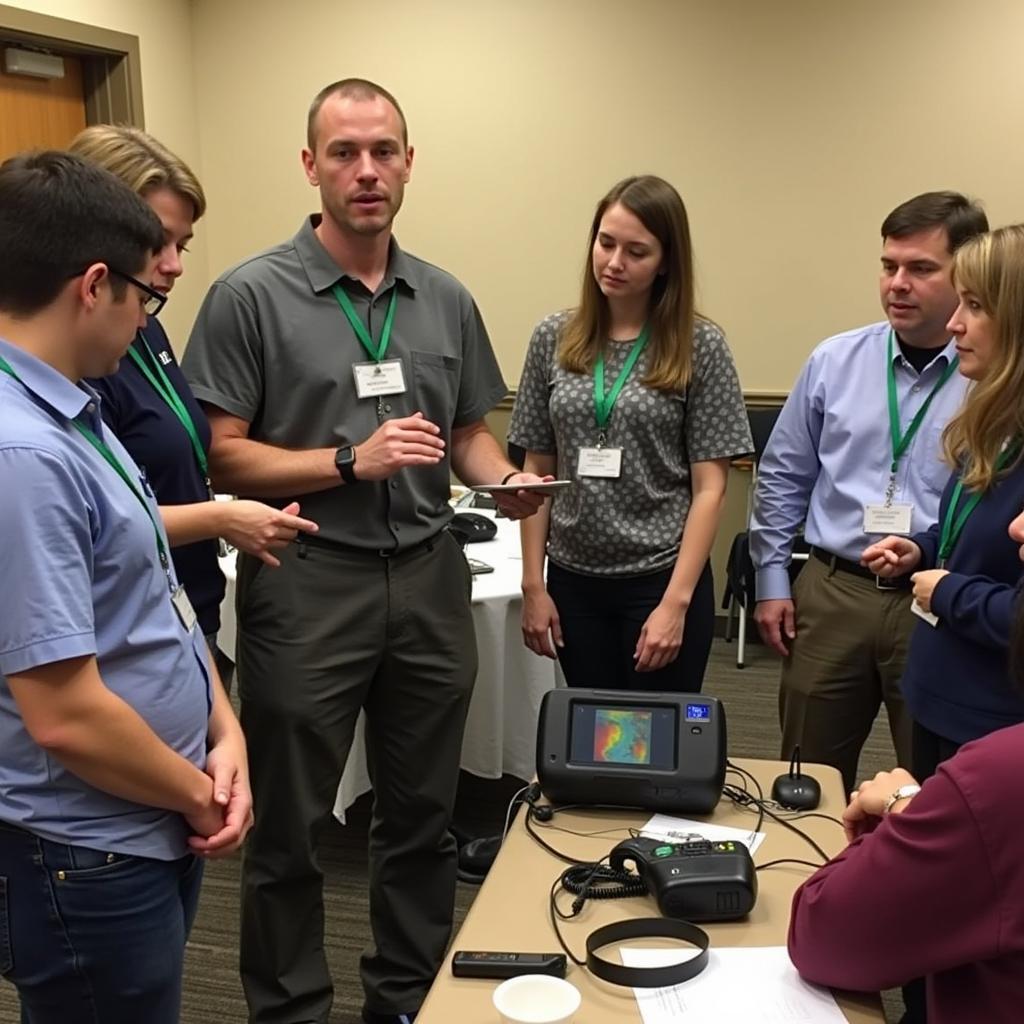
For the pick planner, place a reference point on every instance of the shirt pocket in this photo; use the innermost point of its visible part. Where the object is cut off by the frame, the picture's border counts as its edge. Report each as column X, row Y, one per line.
column 435, row 386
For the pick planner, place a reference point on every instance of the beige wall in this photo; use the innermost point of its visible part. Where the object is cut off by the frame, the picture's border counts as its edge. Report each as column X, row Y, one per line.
column 164, row 31
column 790, row 128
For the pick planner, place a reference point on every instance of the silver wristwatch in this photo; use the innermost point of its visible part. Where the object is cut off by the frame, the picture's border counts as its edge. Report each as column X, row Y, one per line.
column 903, row 793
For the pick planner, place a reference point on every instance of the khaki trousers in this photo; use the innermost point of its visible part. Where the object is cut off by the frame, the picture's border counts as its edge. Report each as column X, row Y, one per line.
column 847, row 658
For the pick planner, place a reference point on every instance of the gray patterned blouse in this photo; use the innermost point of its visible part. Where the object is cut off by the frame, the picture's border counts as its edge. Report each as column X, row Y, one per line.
column 632, row 524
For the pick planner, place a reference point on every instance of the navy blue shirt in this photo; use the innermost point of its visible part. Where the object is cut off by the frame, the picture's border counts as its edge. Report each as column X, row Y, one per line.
column 957, row 677
column 158, row 442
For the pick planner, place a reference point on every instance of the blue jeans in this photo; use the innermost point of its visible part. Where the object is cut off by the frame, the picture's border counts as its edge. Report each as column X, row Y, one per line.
column 89, row 937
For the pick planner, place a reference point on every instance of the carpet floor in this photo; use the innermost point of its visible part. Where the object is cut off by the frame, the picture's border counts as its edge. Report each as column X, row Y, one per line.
column 212, row 993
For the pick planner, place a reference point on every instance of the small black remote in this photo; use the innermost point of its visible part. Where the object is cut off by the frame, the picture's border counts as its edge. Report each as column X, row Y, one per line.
column 469, row 964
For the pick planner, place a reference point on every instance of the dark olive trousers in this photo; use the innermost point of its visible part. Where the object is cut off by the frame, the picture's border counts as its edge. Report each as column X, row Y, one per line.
column 329, row 633
column 848, row 658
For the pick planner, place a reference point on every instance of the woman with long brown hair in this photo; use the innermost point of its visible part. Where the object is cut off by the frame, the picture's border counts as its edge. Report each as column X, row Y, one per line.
column 967, row 578
column 633, row 396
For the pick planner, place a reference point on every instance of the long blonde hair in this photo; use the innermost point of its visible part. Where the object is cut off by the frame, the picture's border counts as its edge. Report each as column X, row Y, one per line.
column 658, row 206
column 991, row 268
column 140, row 161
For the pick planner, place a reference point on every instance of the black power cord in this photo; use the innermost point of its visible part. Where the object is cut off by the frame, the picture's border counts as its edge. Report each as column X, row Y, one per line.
column 601, row 883
column 743, row 797
column 587, row 880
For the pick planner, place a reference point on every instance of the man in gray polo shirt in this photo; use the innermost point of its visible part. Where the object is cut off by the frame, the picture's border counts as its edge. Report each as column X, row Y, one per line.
column 338, row 367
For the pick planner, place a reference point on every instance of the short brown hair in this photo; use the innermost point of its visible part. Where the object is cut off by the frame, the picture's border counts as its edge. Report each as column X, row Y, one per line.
column 356, row 89
column 962, row 218
column 59, row 214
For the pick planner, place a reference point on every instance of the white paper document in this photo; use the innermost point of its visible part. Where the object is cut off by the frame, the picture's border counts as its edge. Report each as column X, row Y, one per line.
column 756, row 985
column 678, row 830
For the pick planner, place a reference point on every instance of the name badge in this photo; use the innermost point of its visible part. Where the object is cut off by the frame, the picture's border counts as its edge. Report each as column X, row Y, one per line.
column 183, row 606
column 376, row 379
column 930, row 617
column 599, row 462
column 887, row 518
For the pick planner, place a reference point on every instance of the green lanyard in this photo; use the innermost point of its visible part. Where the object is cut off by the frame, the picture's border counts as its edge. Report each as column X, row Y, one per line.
column 375, row 351
column 111, row 459
column 900, row 444
column 603, row 404
column 165, row 389
column 953, row 523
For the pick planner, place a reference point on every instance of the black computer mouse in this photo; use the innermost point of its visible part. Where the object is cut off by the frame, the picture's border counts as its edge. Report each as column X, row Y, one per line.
column 796, row 791
column 470, row 527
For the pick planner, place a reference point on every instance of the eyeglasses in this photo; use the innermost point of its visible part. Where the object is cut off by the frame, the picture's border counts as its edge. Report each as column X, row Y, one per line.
column 154, row 300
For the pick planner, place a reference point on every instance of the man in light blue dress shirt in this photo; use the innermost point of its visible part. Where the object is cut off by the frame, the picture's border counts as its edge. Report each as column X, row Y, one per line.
column 857, row 454
column 121, row 762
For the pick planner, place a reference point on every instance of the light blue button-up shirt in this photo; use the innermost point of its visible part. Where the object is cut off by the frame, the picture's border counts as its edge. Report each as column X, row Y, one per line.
column 79, row 576
column 831, row 451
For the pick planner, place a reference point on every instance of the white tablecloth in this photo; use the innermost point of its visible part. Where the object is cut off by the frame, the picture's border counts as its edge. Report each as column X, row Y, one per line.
column 501, row 729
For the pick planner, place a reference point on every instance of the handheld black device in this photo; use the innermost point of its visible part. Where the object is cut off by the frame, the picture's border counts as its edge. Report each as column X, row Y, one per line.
column 479, row 964
column 695, row 881
column 794, row 790
column 658, row 751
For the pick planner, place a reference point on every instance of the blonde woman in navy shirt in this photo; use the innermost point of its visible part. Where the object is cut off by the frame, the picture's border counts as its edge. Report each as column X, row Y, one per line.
column 966, row 577
column 148, row 403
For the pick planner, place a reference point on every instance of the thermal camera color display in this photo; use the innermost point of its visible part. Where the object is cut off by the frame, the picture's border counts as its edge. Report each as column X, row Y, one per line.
column 622, row 737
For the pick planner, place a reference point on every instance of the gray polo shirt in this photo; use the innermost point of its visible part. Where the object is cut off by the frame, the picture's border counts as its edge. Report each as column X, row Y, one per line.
column 272, row 346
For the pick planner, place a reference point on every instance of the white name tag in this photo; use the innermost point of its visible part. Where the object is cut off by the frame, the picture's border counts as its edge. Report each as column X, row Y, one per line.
column 599, row 462
column 183, row 606
column 887, row 518
column 930, row 617
column 383, row 378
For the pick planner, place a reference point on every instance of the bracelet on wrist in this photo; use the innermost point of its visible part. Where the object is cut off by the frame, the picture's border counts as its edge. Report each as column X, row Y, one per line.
column 508, row 476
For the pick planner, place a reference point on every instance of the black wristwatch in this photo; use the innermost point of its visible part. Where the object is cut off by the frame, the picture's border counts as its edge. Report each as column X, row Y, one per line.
column 345, row 460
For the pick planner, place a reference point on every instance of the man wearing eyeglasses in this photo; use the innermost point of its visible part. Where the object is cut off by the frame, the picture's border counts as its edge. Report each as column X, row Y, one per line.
column 121, row 762
column 152, row 300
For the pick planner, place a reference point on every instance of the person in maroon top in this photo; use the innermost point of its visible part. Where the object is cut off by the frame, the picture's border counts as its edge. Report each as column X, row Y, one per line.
column 932, row 882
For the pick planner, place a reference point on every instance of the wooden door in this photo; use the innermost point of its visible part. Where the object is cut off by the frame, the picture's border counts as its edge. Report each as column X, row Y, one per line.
column 40, row 113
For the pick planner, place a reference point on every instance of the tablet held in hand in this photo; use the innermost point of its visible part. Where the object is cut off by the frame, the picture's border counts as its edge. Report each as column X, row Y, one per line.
column 543, row 487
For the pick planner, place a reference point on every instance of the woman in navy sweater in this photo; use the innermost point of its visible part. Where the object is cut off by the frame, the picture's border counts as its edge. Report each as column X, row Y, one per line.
column 967, row 577
column 151, row 408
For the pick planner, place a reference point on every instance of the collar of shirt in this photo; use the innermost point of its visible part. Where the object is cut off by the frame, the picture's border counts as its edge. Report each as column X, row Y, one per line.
column 323, row 272
column 947, row 354
column 49, row 385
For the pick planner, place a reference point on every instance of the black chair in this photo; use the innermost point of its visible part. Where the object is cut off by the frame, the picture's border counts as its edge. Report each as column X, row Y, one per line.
column 739, row 595
column 762, row 422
